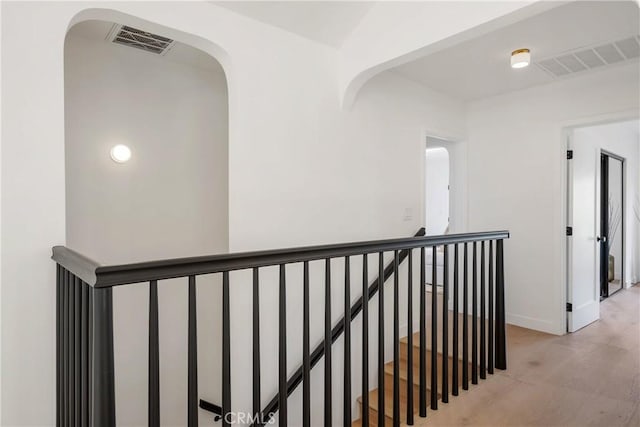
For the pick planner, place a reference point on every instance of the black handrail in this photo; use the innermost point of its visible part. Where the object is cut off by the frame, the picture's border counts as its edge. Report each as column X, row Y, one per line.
column 100, row 276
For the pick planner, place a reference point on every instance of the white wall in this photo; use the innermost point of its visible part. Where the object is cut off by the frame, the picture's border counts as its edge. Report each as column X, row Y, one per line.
column 169, row 200
column 437, row 190
column 301, row 171
column 620, row 138
column 517, row 160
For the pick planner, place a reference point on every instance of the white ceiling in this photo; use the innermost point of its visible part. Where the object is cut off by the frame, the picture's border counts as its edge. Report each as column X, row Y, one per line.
column 328, row 22
column 480, row 67
column 179, row 52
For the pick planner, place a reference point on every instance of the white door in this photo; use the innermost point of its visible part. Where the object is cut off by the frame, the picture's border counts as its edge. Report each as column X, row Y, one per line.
column 583, row 249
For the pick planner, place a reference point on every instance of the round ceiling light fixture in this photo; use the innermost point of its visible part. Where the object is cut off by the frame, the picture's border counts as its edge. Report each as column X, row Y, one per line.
column 120, row 153
column 520, row 58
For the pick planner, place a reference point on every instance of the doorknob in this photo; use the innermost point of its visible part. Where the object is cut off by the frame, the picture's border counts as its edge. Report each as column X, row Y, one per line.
column 603, row 238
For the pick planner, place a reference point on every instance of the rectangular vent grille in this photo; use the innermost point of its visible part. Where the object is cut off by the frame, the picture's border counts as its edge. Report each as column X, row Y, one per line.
column 139, row 39
column 591, row 57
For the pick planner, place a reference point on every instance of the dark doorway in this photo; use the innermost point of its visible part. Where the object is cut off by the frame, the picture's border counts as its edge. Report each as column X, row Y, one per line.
column 611, row 224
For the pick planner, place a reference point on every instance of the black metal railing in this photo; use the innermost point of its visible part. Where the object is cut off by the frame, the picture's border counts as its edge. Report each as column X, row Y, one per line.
column 85, row 393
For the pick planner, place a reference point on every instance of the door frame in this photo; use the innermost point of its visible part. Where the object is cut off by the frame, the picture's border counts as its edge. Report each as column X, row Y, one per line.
column 561, row 202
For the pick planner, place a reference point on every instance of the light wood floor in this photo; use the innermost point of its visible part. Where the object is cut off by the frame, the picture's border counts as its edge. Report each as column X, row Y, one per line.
column 588, row 378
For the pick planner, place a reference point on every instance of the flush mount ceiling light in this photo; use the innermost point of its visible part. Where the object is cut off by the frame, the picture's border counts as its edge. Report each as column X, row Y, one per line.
column 120, row 153
column 520, row 58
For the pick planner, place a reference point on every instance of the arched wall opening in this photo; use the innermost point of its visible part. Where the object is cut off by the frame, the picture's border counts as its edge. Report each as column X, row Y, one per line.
column 170, row 107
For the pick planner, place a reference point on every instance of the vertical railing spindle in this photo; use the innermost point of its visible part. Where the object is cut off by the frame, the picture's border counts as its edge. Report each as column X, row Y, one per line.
column 445, row 326
column 423, row 336
column 365, row 341
column 306, row 363
column 257, row 402
column 71, row 352
column 454, row 367
column 483, row 314
column 154, row 358
column 327, row 345
column 501, row 343
column 490, row 347
column 282, row 349
column 410, row 338
column 59, row 357
column 474, row 318
column 381, row 415
column 347, row 344
column 434, row 328
column 226, row 351
column 77, row 301
column 84, row 356
column 465, row 320
column 192, row 358
column 396, row 342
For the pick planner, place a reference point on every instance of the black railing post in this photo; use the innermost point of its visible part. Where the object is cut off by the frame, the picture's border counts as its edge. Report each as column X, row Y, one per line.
column 257, row 409
column 154, row 357
column 282, row 348
column 501, row 344
column 346, row 395
column 59, row 357
column 328, row 422
column 226, row 352
column 192, row 357
column 365, row 341
column 104, row 404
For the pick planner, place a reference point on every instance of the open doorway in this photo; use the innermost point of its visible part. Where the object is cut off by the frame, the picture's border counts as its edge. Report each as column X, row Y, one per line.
column 437, row 187
column 603, row 164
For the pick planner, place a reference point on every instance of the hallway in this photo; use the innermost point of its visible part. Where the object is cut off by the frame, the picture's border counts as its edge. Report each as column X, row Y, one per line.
column 588, row 378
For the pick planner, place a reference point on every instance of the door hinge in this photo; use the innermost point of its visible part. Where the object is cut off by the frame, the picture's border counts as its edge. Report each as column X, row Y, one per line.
column 569, row 154
column 569, row 307
column 569, row 231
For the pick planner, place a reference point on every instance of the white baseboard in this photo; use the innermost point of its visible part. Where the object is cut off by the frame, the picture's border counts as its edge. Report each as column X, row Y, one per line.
column 537, row 324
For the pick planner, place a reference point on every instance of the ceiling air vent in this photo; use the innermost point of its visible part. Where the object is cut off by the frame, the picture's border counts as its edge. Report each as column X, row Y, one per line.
column 139, row 39
column 587, row 58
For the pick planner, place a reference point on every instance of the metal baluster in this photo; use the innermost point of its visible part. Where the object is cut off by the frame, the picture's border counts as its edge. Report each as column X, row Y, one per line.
column 84, row 363
column 77, row 351
column 226, row 350
column 490, row 347
column 347, row 343
column 423, row 336
column 71, row 354
column 445, row 327
column 396, row 342
column 456, row 361
column 306, row 363
column 410, row 338
column 465, row 321
column 501, row 343
column 327, row 345
column 154, row 357
column 365, row 341
column 381, row 415
column 483, row 318
column 192, row 357
column 434, row 328
column 282, row 349
column 474, row 319
column 59, row 357
column 257, row 409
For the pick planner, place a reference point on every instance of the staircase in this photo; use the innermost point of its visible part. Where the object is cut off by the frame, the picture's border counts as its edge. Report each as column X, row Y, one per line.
column 404, row 371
